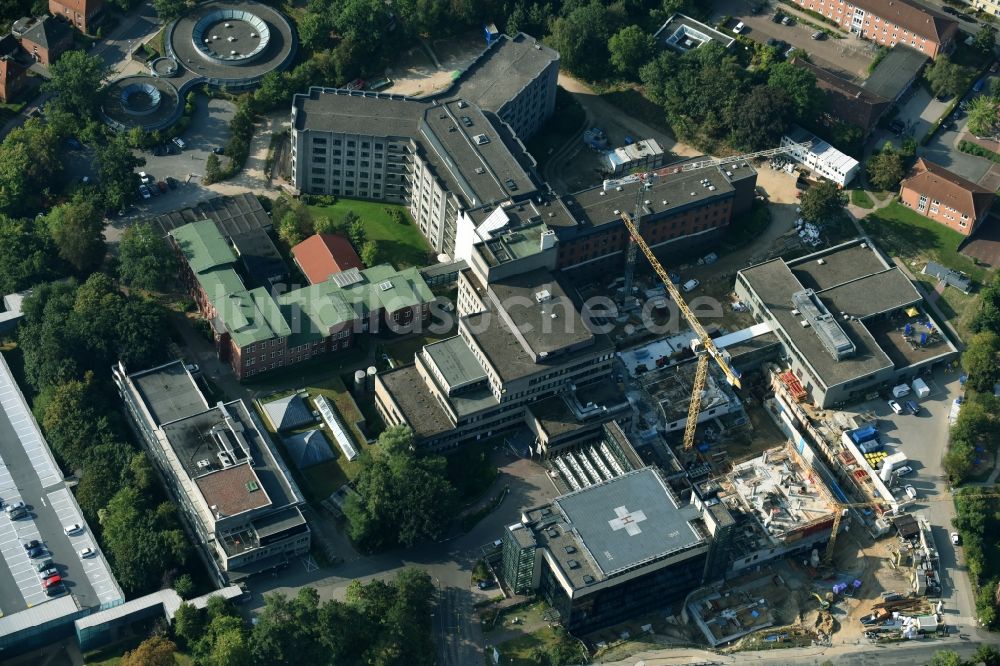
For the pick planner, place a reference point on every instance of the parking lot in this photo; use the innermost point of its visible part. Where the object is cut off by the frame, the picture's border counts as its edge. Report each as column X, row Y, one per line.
column 209, row 129
column 849, row 57
column 29, row 474
column 923, row 437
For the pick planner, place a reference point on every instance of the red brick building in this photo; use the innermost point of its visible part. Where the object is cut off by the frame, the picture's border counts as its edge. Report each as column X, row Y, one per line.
column 44, row 39
column 13, row 77
column 323, row 255
column 84, row 15
column 890, row 22
column 940, row 195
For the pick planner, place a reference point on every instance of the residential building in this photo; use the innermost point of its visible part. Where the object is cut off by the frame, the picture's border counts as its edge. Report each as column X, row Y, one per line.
column 946, row 198
column 221, row 469
column 323, row 255
column 520, row 340
column 682, row 33
column 891, row 22
column 257, row 330
column 85, row 15
column 608, row 552
column 849, row 321
column 820, row 157
column 44, row 39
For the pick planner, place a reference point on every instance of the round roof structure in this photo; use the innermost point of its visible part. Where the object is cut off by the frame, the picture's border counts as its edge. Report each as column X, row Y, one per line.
column 140, row 101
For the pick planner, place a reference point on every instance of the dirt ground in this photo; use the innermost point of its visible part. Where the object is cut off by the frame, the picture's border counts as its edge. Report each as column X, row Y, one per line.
column 415, row 73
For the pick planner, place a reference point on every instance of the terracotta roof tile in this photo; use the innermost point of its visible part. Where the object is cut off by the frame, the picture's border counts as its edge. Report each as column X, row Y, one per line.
column 233, row 490
column 911, row 16
column 936, row 182
column 323, row 255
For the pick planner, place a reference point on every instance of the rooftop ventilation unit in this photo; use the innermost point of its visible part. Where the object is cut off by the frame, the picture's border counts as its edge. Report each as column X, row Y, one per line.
column 588, row 579
column 204, row 463
column 573, row 564
column 821, row 262
column 481, row 139
column 830, row 334
column 543, row 296
column 570, row 550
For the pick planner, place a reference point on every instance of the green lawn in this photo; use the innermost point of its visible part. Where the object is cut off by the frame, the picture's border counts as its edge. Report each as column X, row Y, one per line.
column 320, row 481
column 523, row 651
column 401, row 245
column 861, row 199
column 904, row 233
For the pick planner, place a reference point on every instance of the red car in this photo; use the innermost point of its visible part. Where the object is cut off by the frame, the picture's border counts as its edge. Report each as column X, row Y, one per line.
column 49, row 582
column 356, row 84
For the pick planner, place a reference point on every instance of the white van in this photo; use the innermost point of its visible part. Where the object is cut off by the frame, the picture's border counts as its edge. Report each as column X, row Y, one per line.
column 179, row 142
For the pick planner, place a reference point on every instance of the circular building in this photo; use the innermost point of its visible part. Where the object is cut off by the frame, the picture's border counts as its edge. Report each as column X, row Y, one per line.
column 232, row 44
column 218, row 43
column 141, row 101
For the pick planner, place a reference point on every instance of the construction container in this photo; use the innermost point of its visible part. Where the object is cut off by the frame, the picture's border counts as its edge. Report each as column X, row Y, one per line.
column 900, row 391
column 920, row 388
column 866, row 434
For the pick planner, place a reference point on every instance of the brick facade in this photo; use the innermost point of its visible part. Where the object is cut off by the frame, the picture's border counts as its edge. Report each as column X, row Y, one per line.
column 84, row 15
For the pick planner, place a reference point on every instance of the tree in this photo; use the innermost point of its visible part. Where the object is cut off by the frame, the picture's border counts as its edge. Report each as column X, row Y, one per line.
column 74, row 425
column 154, row 651
column 980, row 361
column 286, row 629
column 355, row 229
column 947, row 79
column 987, row 317
column 984, row 113
column 105, row 472
column 402, row 498
column 189, row 624
column 762, row 119
column 145, row 260
column 630, row 49
column 945, row 658
column 27, row 255
column 799, row 84
column 213, row 169
column 581, row 37
column 77, row 80
column 168, row 10
column 885, row 169
column 425, row 17
column 985, row 39
column 29, row 161
column 370, row 253
column 116, row 165
column 184, row 586
column 823, row 203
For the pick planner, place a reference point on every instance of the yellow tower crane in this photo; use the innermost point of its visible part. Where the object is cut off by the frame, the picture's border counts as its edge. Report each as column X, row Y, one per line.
column 708, row 347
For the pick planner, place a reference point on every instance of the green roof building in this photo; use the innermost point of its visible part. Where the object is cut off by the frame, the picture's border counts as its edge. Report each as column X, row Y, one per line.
column 259, row 331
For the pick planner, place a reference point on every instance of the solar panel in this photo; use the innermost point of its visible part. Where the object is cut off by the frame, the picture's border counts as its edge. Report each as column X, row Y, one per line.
column 348, row 277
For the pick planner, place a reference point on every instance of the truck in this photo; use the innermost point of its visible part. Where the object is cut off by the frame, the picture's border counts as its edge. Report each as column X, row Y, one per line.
column 920, row 388
column 890, row 463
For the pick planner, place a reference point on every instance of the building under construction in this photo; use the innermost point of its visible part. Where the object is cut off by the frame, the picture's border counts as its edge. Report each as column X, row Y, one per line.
column 670, row 389
column 778, row 505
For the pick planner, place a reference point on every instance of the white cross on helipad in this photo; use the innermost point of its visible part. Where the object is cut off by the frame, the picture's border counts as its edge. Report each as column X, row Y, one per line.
column 627, row 521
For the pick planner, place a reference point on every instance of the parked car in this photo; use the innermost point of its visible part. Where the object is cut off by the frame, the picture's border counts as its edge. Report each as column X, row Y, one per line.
column 144, row 191
column 949, row 10
column 894, row 406
column 819, row 34
column 48, row 573
column 911, row 492
column 55, row 580
column 179, row 142
column 738, row 28
column 954, row 539
column 787, row 20
column 690, row 285
column 145, row 178
column 75, row 528
column 36, row 552
column 87, row 552
column 485, row 584
column 44, row 564
column 777, row 18
column 905, row 470
column 218, row 151
column 55, row 590
column 913, row 407
column 789, row 52
column 380, row 84
column 34, row 543
column 356, row 84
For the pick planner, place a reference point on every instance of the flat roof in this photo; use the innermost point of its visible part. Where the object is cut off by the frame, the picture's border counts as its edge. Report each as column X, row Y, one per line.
column 895, row 71
column 421, row 410
column 774, row 284
column 683, row 33
column 540, row 309
column 198, row 441
column 233, row 490
column 29, row 474
column 169, row 392
column 455, row 361
column 628, row 521
column 872, row 294
column 475, row 153
column 503, row 69
column 840, row 264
